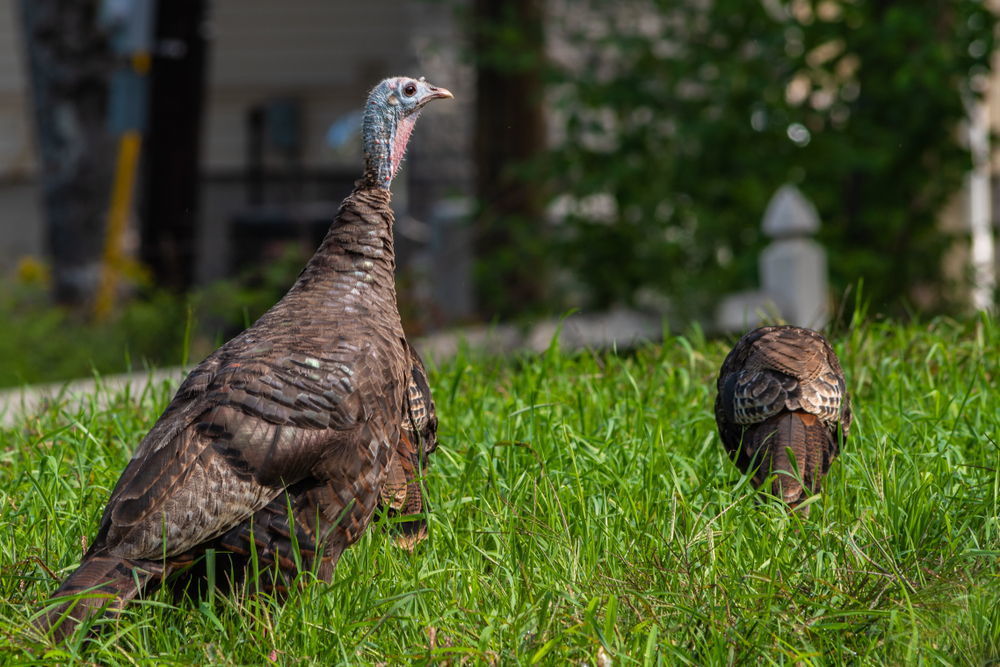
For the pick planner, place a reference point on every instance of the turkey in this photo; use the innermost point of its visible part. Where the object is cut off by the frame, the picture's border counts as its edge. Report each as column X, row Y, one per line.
column 299, row 416
column 782, row 408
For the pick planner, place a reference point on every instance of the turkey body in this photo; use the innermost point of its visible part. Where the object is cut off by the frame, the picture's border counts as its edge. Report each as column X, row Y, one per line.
column 304, row 408
column 268, row 547
column 783, row 408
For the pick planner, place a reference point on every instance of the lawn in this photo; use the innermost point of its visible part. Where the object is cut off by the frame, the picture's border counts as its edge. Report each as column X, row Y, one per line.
column 582, row 507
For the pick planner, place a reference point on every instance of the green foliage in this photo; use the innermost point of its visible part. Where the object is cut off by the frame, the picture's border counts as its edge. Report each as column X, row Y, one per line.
column 683, row 118
column 582, row 503
column 42, row 342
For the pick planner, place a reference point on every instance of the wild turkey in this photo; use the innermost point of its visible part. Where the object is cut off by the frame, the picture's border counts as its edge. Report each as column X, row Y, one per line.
column 782, row 391
column 301, row 413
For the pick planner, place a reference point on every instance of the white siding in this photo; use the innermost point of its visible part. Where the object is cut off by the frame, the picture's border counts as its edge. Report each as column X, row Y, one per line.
column 16, row 144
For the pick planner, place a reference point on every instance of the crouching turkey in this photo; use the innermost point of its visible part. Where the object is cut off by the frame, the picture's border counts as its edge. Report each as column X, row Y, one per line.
column 782, row 408
column 292, row 432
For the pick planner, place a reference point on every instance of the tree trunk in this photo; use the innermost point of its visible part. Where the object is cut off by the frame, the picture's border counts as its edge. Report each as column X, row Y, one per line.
column 171, row 168
column 510, row 132
column 69, row 63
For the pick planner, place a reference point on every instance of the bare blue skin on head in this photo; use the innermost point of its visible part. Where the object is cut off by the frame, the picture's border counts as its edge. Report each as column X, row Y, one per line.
column 390, row 114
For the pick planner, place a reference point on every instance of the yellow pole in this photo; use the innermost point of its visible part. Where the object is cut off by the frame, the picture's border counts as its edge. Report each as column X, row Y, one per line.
column 121, row 204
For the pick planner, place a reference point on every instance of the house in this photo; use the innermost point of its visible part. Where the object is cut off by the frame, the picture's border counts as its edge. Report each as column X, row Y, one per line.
column 311, row 60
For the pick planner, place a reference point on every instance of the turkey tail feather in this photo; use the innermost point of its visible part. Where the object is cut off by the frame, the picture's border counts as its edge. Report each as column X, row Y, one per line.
column 101, row 583
column 795, row 446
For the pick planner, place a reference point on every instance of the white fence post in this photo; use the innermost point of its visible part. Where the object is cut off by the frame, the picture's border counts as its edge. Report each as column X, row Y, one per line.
column 793, row 267
column 983, row 251
column 793, row 270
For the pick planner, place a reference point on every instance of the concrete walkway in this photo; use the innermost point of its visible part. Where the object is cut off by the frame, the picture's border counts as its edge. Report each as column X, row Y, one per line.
column 621, row 328
column 16, row 404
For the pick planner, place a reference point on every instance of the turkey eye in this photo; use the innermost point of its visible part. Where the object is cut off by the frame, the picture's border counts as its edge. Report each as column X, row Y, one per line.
column 409, row 89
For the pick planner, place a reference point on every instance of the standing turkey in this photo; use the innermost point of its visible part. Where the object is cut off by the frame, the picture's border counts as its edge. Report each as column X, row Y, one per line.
column 300, row 415
column 782, row 400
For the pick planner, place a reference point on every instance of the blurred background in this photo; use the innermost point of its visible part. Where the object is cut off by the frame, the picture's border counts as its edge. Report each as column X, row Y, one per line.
column 167, row 167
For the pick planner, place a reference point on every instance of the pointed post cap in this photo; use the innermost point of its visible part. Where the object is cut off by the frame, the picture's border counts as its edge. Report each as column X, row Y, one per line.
column 789, row 213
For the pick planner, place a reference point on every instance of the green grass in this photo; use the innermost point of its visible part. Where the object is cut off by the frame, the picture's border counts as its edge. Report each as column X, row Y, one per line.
column 583, row 503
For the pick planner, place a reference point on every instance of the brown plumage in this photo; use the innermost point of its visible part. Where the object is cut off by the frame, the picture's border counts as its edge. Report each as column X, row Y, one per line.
column 402, row 494
column 781, row 392
column 267, row 535
column 299, row 417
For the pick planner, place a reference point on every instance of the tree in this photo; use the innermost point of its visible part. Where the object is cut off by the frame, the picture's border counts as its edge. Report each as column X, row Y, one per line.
column 69, row 64
column 508, row 42
column 171, row 176
column 683, row 118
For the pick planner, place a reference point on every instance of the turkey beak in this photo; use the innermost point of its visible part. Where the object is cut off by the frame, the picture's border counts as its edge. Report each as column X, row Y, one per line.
column 433, row 93
column 440, row 93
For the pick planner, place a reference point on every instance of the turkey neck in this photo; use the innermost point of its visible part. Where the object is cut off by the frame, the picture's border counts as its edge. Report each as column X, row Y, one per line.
column 355, row 264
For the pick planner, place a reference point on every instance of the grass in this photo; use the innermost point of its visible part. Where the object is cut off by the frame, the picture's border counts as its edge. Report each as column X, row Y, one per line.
column 583, row 506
